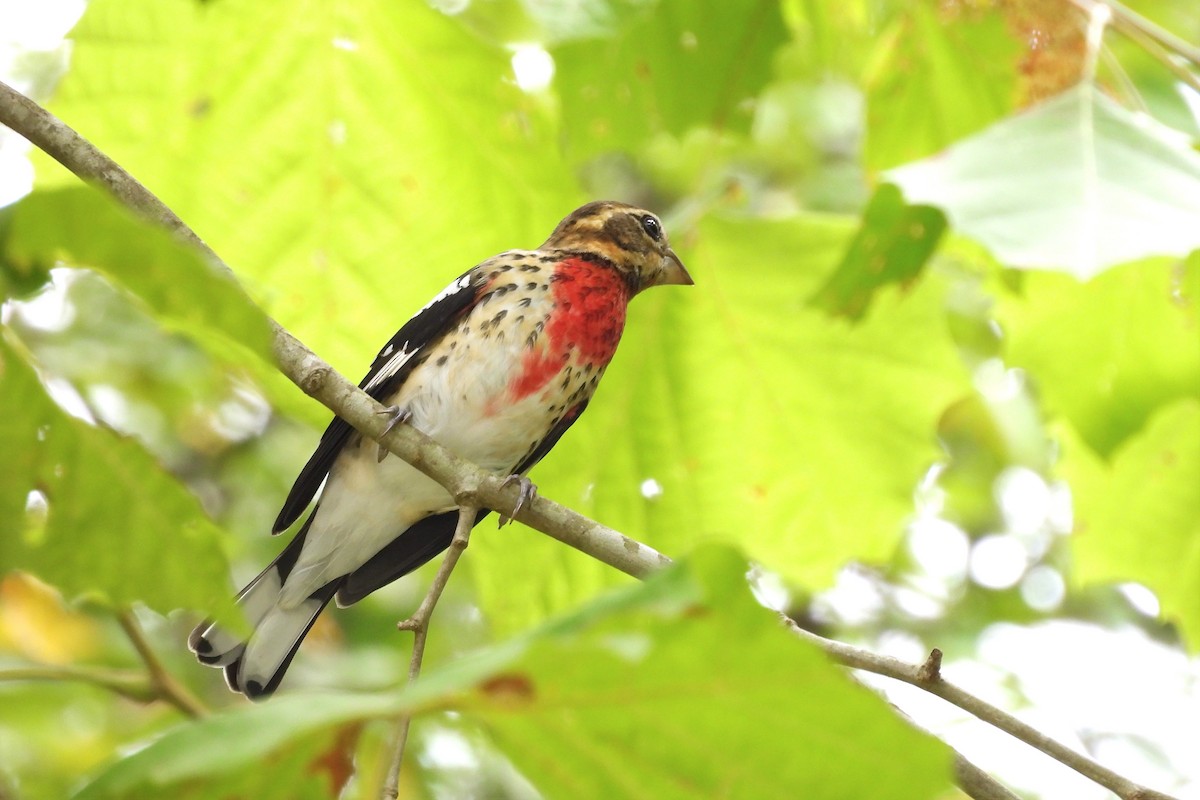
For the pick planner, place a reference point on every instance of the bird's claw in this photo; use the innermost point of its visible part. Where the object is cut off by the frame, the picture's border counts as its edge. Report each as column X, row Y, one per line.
column 524, row 496
column 396, row 416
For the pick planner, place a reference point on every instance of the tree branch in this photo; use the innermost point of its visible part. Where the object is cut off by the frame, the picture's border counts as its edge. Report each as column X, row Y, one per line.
column 162, row 682
column 474, row 487
column 129, row 684
column 928, row 676
column 156, row 683
column 418, row 623
column 977, row 784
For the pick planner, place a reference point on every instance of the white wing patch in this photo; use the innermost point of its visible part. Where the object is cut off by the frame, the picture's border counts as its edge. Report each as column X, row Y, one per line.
column 398, row 360
column 454, row 288
column 391, row 367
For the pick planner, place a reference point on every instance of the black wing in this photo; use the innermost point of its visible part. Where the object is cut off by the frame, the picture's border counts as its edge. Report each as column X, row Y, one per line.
column 391, row 368
column 432, row 535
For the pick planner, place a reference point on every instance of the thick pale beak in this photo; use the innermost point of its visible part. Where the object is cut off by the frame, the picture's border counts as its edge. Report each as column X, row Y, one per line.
column 676, row 272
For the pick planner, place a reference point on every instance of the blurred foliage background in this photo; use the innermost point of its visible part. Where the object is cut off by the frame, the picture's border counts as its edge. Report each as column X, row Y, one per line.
column 938, row 382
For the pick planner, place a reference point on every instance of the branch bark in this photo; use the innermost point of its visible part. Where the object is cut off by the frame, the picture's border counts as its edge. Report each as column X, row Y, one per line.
column 928, row 676
column 474, row 487
column 162, row 682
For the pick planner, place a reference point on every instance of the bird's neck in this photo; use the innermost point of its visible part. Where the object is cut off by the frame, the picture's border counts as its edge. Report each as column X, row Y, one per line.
column 590, row 298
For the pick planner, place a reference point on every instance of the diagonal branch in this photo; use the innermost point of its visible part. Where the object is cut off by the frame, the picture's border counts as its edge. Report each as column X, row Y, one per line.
column 928, row 676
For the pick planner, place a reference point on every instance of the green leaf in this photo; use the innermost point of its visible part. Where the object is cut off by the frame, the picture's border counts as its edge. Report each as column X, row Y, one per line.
column 1077, row 184
column 701, row 701
column 892, row 245
column 1107, row 354
column 680, row 687
column 687, row 63
column 347, row 166
column 944, row 73
column 736, row 412
column 116, row 525
column 233, row 743
column 1138, row 517
column 83, row 227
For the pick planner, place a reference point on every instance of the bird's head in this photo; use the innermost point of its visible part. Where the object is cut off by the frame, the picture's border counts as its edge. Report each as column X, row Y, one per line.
column 632, row 239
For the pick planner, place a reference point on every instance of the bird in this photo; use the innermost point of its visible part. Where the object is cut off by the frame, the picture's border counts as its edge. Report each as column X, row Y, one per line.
column 496, row 367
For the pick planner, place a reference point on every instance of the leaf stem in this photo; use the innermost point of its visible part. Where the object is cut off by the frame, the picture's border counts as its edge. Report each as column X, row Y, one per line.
column 418, row 623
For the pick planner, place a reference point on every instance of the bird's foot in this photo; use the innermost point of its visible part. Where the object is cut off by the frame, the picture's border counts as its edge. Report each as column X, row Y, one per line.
column 396, row 416
column 524, row 496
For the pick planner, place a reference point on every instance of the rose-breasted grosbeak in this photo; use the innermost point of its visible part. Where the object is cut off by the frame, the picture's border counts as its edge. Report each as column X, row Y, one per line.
column 496, row 367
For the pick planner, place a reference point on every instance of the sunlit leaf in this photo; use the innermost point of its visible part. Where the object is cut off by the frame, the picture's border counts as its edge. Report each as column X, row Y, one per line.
column 1108, row 353
column 1077, row 184
column 947, row 71
column 700, row 702
column 82, row 227
column 684, row 682
column 893, row 244
column 347, row 166
column 108, row 522
column 681, row 64
column 260, row 751
column 1138, row 517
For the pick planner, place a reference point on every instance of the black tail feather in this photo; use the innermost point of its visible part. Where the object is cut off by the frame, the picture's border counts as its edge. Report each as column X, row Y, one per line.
column 402, row 555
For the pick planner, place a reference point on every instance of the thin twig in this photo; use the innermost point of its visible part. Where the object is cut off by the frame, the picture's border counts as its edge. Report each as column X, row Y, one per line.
column 130, row 684
column 1125, row 15
column 1156, row 41
column 921, row 676
column 418, row 623
column 161, row 680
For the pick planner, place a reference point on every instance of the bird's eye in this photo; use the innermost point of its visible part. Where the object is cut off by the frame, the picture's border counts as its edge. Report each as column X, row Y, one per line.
column 652, row 227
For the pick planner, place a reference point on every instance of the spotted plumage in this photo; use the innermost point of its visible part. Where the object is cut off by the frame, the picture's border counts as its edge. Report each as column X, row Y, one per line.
column 496, row 367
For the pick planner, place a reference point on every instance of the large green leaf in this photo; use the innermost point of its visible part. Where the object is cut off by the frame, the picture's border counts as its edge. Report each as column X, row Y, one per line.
column 84, row 228
column 736, row 412
column 1108, row 353
column 1077, row 183
column 684, row 63
column 944, row 72
column 116, row 525
column 348, row 165
column 682, row 687
column 1138, row 518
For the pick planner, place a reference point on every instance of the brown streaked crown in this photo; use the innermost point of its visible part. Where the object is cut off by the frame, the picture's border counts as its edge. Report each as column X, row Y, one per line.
column 632, row 239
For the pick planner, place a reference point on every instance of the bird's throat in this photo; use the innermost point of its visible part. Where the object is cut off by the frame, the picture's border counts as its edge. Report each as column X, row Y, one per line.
column 583, row 328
